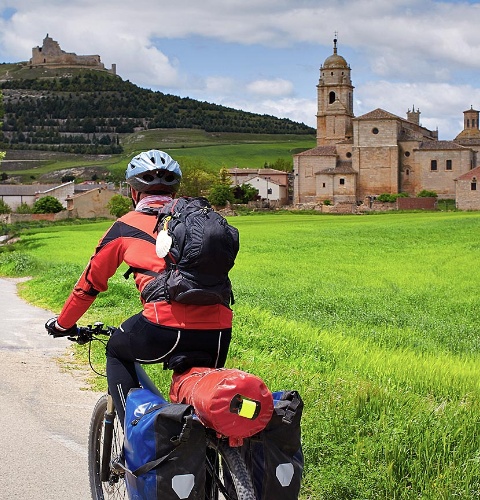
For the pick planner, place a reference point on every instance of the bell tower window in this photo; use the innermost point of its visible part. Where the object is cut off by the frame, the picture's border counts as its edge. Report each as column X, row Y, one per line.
column 331, row 97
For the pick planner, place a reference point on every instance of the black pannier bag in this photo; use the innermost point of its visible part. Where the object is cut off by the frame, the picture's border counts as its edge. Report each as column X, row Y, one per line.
column 274, row 456
column 165, row 449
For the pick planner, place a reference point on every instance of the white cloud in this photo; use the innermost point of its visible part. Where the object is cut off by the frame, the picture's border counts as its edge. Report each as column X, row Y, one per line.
column 275, row 88
column 424, row 52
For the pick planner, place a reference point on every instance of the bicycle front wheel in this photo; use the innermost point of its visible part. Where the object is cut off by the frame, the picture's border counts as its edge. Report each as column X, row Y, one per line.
column 105, row 442
column 227, row 476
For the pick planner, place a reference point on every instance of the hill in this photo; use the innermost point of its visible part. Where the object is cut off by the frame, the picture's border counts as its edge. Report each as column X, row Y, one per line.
column 89, row 111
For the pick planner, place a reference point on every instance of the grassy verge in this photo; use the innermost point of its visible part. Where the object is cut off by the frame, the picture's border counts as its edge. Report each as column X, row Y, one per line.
column 372, row 319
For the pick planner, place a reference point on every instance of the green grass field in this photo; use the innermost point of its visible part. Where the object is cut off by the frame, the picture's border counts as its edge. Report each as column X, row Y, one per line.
column 213, row 150
column 373, row 319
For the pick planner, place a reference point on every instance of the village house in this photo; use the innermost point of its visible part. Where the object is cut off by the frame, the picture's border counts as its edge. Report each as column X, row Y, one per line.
column 272, row 185
column 358, row 158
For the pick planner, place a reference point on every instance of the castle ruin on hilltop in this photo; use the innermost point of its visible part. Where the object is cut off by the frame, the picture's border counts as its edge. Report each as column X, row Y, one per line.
column 50, row 55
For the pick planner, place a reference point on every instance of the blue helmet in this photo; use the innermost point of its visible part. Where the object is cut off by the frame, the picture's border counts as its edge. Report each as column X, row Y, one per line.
column 153, row 171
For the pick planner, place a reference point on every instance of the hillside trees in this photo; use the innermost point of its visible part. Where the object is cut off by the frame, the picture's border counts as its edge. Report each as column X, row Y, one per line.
column 104, row 104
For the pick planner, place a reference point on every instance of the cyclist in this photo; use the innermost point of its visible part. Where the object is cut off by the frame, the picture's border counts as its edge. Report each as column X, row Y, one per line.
column 161, row 328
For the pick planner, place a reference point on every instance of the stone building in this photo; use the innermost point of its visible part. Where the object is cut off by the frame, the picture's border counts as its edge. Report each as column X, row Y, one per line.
column 359, row 158
column 51, row 55
column 468, row 190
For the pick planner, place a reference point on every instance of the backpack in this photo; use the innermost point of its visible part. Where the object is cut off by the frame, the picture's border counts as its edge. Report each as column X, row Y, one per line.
column 274, row 456
column 164, row 449
column 199, row 247
column 235, row 403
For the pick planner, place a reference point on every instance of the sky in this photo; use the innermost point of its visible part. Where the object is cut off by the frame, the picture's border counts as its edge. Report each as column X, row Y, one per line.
column 264, row 56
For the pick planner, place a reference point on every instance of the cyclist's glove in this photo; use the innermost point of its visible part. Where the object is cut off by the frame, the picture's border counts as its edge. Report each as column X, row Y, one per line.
column 55, row 330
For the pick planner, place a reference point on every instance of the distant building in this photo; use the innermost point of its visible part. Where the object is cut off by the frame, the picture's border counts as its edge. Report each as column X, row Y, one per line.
column 467, row 193
column 357, row 158
column 14, row 195
column 51, row 55
column 272, row 185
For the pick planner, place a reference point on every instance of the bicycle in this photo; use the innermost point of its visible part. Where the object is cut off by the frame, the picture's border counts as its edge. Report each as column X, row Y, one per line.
column 227, row 477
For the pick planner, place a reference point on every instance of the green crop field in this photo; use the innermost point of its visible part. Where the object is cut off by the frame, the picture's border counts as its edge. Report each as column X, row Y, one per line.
column 373, row 319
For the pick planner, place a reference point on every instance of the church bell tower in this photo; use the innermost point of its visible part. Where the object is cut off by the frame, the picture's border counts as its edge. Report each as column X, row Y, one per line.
column 335, row 100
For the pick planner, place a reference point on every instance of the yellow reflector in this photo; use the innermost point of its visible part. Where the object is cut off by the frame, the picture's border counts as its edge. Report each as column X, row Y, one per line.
column 247, row 408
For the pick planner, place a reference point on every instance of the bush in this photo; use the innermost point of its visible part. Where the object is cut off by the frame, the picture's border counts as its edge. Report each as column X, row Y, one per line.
column 4, row 208
column 119, row 205
column 47, row 205
column 427, row 194
column 23, row 208
column 220, row 195
column 391, row 197
column 327, row 202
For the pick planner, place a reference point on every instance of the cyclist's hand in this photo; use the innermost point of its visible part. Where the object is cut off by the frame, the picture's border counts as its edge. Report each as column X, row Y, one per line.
column 55, row 330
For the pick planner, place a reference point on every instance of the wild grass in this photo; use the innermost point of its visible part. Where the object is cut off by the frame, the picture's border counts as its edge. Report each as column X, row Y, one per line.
column 374, row 320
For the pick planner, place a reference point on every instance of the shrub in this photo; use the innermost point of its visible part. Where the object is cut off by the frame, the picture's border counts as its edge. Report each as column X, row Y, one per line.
column 391, row 197
column 327, row 202
column 47, row 205
column 427, row 194
column 23, row 208
column 4, row 208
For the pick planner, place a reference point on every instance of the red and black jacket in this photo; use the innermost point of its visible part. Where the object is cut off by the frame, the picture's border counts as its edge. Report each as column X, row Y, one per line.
column 131, row 240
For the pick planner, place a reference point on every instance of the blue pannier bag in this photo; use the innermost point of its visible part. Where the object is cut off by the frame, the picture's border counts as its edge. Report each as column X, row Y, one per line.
column 274, row 456
column 165, row 449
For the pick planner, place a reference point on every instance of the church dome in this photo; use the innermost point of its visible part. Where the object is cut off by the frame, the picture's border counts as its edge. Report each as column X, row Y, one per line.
column 335, row 61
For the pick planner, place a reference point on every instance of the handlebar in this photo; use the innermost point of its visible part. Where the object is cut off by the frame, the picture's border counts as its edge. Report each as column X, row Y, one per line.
column 86, row 334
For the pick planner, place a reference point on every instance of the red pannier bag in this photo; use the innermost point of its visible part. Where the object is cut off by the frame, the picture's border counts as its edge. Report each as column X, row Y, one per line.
column 234, row 403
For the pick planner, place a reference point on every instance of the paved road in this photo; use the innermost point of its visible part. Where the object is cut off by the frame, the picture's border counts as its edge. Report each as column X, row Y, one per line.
column 44, row 413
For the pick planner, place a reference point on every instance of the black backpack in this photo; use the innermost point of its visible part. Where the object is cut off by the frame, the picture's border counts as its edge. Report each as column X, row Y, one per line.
column 202, row 252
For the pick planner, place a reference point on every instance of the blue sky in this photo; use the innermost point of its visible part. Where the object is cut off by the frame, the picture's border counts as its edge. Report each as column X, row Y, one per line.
column 264, row 56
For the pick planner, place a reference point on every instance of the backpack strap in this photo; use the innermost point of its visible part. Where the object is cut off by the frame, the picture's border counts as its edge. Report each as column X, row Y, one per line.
column 132, row 270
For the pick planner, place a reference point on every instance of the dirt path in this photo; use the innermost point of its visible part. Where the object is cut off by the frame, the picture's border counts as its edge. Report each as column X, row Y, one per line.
column 44, row 409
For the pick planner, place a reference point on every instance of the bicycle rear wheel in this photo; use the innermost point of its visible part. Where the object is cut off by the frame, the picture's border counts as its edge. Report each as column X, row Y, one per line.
column 227, row 476
column 105, row 442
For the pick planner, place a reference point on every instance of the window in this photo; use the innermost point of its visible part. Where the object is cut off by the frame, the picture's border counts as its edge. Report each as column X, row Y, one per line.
column 433, row 165
column 407, row 153
column 448, row 165
column 348, row 155
column 473, row 186
column 342, row 182
column 331, row 97
column 323, row 185
column 374, row 130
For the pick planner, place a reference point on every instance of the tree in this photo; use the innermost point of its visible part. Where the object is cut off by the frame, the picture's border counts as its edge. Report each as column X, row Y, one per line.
column 220, row 195
column 47, row 205
column 119, row 205
column 195, row 179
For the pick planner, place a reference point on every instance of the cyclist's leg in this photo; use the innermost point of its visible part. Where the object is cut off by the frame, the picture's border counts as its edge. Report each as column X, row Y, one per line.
column 136, row 340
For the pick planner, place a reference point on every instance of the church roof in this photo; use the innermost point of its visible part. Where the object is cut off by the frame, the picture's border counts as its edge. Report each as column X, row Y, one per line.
column 343, row 167
column 378, row 114
column 437, row 145
column 320, row 151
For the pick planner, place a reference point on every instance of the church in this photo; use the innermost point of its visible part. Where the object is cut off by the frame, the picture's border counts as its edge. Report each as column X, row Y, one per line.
column 358, row 158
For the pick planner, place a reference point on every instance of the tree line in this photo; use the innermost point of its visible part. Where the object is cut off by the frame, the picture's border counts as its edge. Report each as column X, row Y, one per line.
column 90, row 111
